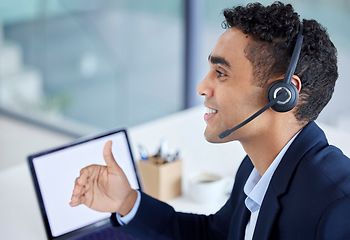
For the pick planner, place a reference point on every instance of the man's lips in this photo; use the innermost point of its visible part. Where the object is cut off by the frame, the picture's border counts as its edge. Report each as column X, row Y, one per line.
column 210, row 113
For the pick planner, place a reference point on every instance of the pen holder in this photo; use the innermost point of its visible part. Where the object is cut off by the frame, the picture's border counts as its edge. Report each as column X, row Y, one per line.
column 161, row 180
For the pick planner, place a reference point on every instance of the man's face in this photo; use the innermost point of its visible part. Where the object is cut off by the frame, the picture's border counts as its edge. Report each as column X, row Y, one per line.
column 230, row 95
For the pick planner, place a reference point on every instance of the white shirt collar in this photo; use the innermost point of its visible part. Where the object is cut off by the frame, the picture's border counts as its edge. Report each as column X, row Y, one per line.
column 256, row 185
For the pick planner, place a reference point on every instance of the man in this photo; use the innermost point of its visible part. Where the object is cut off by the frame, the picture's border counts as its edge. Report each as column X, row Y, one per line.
column 291, row 184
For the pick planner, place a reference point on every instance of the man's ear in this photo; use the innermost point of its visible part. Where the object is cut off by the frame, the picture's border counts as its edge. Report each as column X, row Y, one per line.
column 296, row 82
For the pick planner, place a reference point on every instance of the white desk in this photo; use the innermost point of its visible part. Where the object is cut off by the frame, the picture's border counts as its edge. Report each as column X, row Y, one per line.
column 19, row 211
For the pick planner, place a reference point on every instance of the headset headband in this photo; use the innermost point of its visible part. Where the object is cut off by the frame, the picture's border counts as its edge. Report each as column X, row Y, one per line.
column 295, row 56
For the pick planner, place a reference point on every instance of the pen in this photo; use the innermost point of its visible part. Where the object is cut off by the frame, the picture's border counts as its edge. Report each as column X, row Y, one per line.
column 173, row 157
column 143, row 153
column 164, row 149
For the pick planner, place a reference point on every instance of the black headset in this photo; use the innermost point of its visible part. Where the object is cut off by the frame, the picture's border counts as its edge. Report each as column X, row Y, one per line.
column 281, row 95
column 289, row 102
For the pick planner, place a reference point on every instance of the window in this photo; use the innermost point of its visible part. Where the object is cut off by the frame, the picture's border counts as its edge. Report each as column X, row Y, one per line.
column 98, row 63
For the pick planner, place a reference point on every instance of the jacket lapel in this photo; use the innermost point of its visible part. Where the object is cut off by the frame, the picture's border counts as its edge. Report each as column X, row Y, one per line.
column 310, row 136
column 307, row 138
column 239, row 222
column 267, row 215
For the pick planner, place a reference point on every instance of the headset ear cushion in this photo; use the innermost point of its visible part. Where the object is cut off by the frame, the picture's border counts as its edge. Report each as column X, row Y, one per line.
column 289, row 103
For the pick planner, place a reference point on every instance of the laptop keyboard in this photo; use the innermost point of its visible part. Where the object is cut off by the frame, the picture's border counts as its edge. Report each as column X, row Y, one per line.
column 108, row 234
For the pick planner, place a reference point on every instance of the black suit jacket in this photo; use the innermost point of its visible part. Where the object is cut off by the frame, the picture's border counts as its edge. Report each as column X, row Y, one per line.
column 308, row 198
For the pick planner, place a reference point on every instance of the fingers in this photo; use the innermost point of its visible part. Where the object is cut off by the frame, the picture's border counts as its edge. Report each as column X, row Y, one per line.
column 78, row 193
column 80, row 188
column 112, row 165
column 77, row 200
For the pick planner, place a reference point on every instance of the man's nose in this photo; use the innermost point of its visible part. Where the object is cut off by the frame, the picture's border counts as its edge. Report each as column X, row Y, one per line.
column 203, row 88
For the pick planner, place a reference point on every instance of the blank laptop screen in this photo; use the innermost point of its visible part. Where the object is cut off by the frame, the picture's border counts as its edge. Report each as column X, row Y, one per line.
column 57, row 170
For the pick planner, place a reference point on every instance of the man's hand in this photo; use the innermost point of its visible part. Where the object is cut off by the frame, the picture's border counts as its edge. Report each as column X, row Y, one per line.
column 104, row 188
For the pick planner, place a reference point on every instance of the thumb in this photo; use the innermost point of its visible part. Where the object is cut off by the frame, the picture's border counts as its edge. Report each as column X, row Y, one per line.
column 112, row 165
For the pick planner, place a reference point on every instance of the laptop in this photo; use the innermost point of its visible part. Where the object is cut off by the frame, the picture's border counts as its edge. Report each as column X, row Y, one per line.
column 54, row 172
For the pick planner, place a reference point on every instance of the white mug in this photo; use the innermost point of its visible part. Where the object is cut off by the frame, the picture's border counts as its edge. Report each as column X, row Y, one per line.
column 209, row 188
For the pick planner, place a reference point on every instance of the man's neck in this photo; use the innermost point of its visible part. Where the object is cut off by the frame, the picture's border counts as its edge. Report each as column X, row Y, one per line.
column 264, row 148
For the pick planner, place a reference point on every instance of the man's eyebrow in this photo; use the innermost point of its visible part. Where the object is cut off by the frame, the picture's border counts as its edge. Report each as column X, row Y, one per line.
column 218, row 60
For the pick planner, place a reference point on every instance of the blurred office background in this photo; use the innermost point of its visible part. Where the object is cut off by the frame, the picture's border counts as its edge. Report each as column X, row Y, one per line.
column 75, row 67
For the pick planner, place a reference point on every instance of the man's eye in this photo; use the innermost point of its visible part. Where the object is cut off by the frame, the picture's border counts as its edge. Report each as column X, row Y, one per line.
column 220, row 74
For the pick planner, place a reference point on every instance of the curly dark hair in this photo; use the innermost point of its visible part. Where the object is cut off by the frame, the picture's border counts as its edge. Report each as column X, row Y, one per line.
column 274, row 29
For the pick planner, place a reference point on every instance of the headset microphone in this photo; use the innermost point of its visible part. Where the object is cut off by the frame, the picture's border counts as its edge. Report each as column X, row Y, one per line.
column 281, row 95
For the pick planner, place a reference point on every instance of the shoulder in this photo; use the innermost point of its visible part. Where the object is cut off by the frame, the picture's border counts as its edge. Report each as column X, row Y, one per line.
column 330, row 165
column 325, row 164
column 334, row 223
